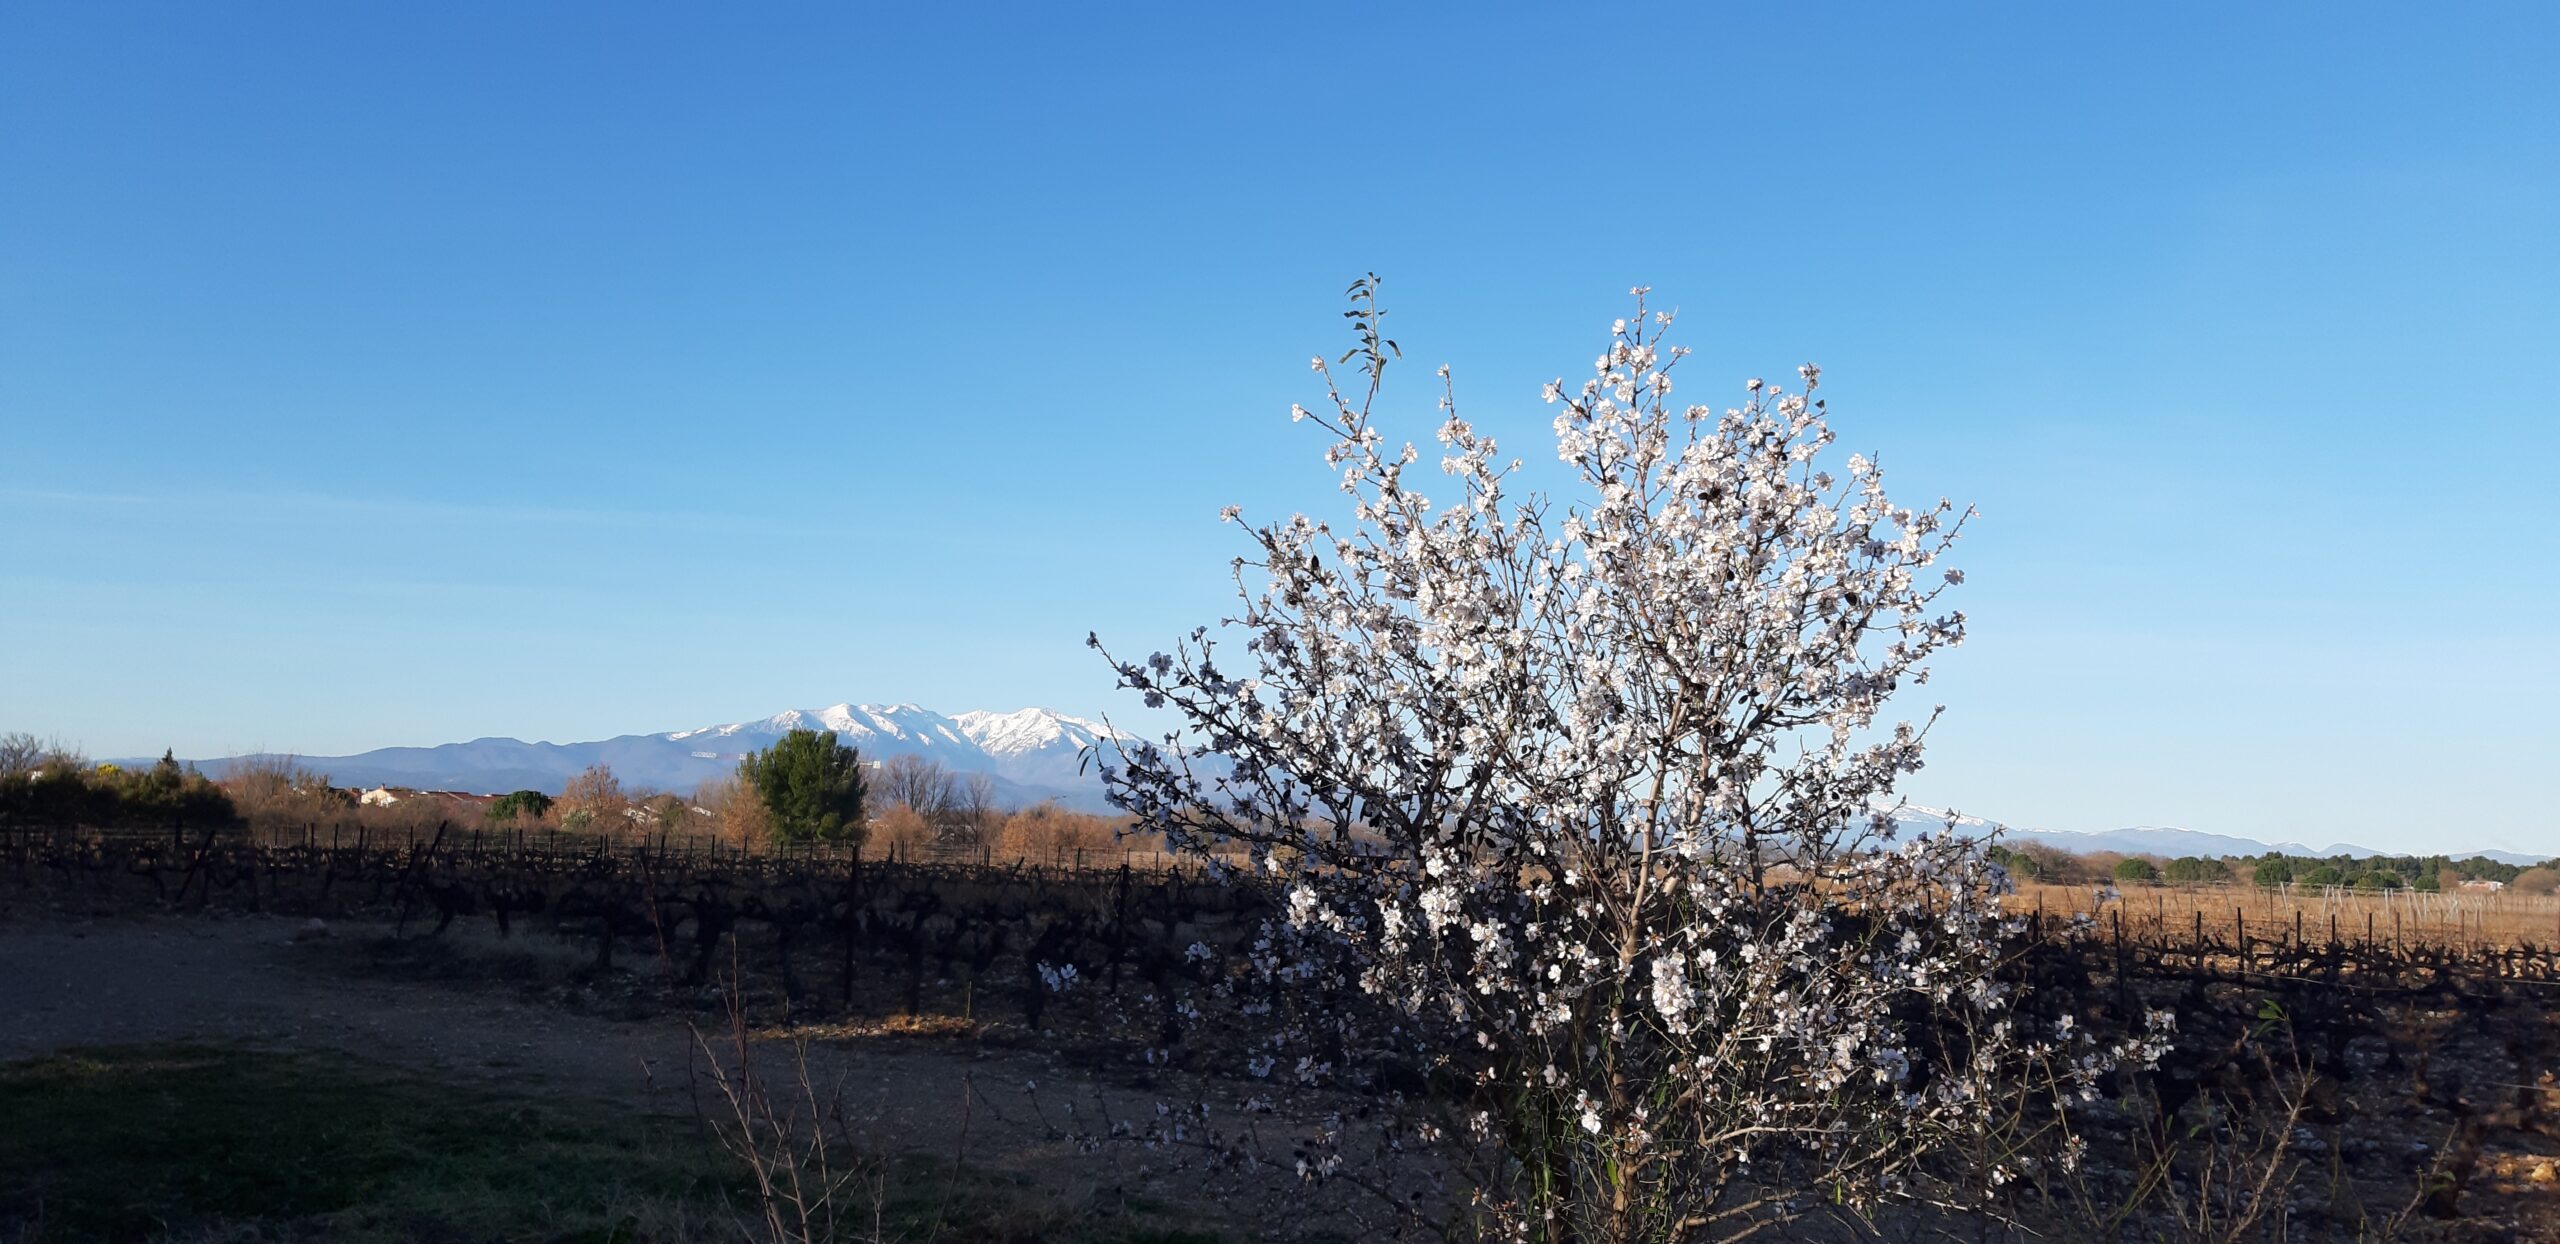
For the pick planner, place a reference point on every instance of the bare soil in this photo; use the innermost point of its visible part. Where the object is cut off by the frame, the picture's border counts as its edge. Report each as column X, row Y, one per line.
column 270, row 983
column 529, row 1015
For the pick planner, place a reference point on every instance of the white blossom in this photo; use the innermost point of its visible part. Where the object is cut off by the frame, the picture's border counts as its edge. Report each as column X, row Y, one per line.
column 1548, row 776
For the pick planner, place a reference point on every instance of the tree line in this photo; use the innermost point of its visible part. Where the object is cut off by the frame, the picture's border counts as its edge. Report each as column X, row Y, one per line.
column 43, row 780
column 2426, row 874
column 809, row 787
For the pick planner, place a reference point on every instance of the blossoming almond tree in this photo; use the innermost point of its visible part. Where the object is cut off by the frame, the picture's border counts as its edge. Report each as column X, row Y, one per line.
column 1585, row 792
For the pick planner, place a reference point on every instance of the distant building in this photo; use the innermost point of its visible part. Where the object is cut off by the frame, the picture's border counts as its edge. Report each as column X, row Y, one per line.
column 379, row 797
column 2483, row 883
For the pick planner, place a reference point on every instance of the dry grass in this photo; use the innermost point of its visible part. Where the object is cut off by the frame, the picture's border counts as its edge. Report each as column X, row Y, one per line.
column 930, row 1026
column 2460, row 919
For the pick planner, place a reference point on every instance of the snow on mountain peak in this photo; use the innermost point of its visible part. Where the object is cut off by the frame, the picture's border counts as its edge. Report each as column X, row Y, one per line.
column 1918, row 816
column 919, row 728
column 1032, row 746
column 1030, row 730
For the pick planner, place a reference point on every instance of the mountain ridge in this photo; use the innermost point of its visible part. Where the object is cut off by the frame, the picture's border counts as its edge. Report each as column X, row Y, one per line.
column 1033, row 754
column 2167, row 840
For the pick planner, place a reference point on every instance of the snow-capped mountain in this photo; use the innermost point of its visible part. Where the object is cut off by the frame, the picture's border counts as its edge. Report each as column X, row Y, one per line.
column 1033, row 747
column 1032, row 753
column 1037, row 747
column 877, row 731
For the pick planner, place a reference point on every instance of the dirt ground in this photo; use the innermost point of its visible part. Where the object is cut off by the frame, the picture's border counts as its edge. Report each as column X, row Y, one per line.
column 141, row 980
column 267, row 983
column 503, row 1019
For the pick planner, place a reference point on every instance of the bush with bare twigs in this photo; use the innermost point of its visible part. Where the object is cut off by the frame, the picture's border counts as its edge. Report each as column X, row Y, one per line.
column 1049, row 834
column 810, row 1179
column 902, row 831
column 277, row 792
column 733, row 810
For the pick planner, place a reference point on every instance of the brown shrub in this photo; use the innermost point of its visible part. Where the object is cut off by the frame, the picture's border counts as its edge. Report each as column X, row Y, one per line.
column 2055, row 866
column 734, row 811
column 594, row 802
column 1048, row 834
column 902, row 830
column 276, row 792
column 417, row 814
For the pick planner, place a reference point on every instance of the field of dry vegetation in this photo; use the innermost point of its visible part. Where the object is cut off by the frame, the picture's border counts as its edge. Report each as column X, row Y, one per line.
column 2374, row 1087
column 2372, row 1062
column 2459, row 919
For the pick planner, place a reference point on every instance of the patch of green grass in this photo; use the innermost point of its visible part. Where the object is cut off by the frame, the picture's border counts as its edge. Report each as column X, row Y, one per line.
column 928, row 1200
column 182, row 1141
column 198, row 1143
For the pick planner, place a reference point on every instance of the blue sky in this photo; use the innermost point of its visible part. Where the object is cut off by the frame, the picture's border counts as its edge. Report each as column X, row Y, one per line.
column 375, row 376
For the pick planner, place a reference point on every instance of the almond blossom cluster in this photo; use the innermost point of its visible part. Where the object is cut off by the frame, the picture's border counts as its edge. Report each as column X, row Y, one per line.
column 1583, row 792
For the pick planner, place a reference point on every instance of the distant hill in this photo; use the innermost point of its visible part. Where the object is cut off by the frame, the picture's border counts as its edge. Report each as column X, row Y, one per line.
column 1032, row 754
column 2159, row 840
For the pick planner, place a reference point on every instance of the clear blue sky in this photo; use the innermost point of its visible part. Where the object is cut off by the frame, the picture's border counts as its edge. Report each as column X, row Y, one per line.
column 403, row 374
